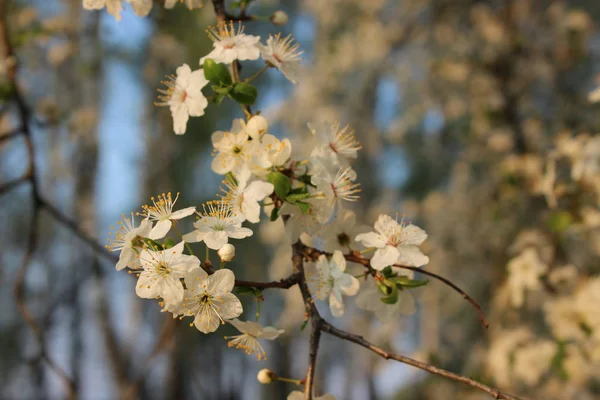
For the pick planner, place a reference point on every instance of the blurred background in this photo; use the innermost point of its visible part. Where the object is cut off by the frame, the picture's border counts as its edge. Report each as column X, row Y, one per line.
column 475, row 122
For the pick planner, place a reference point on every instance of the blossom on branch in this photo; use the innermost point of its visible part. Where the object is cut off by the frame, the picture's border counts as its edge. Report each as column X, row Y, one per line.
column 128, row 241
column 162, row 212
column 216, row 225
column 230, row 44
column 209, row 299
column 251, row 332
column 396, row 243
column 331, row 282
column 283, row 54
column 183, row 96
column 162, row 271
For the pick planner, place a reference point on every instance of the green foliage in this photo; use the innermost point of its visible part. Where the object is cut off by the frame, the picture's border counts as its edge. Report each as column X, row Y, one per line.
column 244, row 93
column 217, row 74
column 281, row 183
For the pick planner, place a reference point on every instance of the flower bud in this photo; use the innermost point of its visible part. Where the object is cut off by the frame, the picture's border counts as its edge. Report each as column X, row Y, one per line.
column 279, row 17
column 265, row 376
column 227, row 252
column 257, row 126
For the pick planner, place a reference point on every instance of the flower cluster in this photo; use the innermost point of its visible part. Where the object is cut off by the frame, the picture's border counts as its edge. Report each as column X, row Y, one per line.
column 264, row 178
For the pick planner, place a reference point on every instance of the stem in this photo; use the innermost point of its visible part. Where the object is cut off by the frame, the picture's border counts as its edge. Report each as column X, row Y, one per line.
column 290, row 380
column 187, row 245
column 258, row 306
column 207, row 255
column 259, row 73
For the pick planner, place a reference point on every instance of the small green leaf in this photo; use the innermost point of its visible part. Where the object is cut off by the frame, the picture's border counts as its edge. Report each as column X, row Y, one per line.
column 304, row 207
column 383, row 288
column 294, row 197
column 274, row 214
column 168, row 243
column 281, row 183
column 216, row 73
column 560, row 221
column 409, row 283
column 387, row 272
column 392, row 298
column 221, row 90
column 304, row 325
column 244, row 93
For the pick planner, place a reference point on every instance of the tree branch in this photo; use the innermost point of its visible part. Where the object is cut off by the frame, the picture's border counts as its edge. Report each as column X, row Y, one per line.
column 495, row 393
column 285, row 283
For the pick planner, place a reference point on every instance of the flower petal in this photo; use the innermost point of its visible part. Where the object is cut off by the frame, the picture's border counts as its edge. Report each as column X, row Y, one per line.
column 160, row 230
column 411, row 256
column 222, row 281
column 371, row 239
column 215, row 239
column 184, row 212
column 384, row 257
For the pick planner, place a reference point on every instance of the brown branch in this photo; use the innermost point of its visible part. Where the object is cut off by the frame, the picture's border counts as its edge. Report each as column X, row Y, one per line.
column 495, row 393
column 285, row 283
column 10, row 135
column 10, row 185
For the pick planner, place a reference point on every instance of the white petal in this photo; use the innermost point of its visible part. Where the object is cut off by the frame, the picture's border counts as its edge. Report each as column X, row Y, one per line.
column 160, row 230
column 170, row 289
column 258, row 190
column 222, row 164
column 384, row 257
column 412, row 235
column 229, row 306
column 180, row 118
column 347, row 284
column 146, row 287
column 184, row 212
column 194, row 278
column 239, row 233
column 251, row 210
column 270, row 333
column 197, row 81
column 215, row 239
column 193, row 236
column 411, row 256
column 183, row 75
column 339, row 260
column 196, row 103
column 127, row 258
column 371, row 239
column 207, row 321
column 336, row 303
column 221, row 281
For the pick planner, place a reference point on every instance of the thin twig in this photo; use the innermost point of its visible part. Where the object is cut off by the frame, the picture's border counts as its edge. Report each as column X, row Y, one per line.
column 285, row 283
column 10, row 185
column 495, row 393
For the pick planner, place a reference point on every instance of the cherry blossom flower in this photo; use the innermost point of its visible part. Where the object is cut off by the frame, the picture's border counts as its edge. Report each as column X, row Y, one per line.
column 190, row 4
column 127, row 240
column 277, row 151
column 183, row 96
column 331, row 282
column 232, row 147
column 114, row 7
column 243, row 197
column 335, row 185
column 283, row 54
column 209, row 299
column 251, row 332
column 396, row 243
column 334, row 142
column 524, row 274
column 369, row 299
column 162, row 212
column 216, row 225
column 340, row 233
column 230, row 44
column 257, row 126
column 162, row 271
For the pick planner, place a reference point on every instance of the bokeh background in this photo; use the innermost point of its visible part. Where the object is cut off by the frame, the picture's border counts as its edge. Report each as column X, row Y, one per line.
column 475, row 123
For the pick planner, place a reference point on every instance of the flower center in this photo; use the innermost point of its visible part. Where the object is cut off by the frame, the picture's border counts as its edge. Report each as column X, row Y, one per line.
column 162, row 269
column 237, row 150
column 343, row 239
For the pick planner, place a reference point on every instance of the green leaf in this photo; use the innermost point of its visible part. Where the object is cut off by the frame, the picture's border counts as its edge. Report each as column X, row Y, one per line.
column 304, row 207
column 216, row 73
column 244, row 93
column 242, row 290
column 281, row 183
column 383, row 288
column 304, row 325
column 392, row 298
column 409, row 283
column 152, row 244
column 221, row 90
column 387, row 271
column 294, row 197
column 168, row 243
column 274, row 214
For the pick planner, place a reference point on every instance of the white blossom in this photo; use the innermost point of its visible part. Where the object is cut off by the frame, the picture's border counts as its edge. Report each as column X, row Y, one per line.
column 396, row 243
column 533, row 360
column 162, row 212
column 114, row 7
column 162, row 271
column 216, row 225
column 277, row 152
column 524, row 274
column 265, row 376
column 334, row 142
column 244, row 196
column 233, row 149
column 334, row 185
column 209, row 299
column 283, row 54
column 230, row 44
column 127, row 240
column 251, row 332
column 340, row 233
column 331, row 282
column 369, row 299
column 184, row 96
column 257, row 126
column 279, row 17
